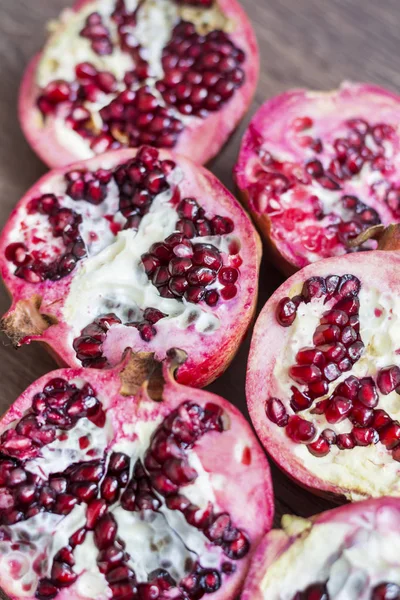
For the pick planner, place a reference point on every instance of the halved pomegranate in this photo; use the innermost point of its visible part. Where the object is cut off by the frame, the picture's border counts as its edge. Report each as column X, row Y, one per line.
column 318, row 168
column 131, row 249
column 124, row 484
column 323, row 382
column 346, row 553
column 122, row 73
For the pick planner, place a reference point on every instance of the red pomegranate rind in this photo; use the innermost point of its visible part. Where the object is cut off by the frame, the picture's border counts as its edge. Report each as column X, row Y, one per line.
column 326, row 411
column 316, row 169
column 201, row 137
column 60, row 296
column 111, row 468
column 360, row 523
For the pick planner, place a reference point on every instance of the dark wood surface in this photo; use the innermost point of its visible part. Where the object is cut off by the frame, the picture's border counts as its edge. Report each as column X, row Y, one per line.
column 304, row 43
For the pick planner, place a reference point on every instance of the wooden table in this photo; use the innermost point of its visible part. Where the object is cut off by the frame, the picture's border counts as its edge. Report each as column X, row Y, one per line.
column 311, row 43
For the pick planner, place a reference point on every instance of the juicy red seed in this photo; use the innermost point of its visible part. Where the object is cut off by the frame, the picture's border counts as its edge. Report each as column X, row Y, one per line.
column 315, row 168
column 386, row 591
column 365, row 436
column 206, row 255
column 367, row 393
column 380, row 419
column 338, row 409
column 153, row 315
column 355, row 351
column 286, row 312
column 345, row 441
column 335, row 317
column 388, row 379
column 95, row 511
column 331, row 372
column 228, row 275
column 305, row 374
column 361, row 415
column 299, row 430
column 276, row 412
column 390, row 435
column 62, row 574
column 320, row 447
column 17, row 253
column 299, row 400
column 326, row 334
column 314, row 287
column 317, row 389
column 211, row 297
column 350, row 306
column 105, row 531
column 333, row 352
column 309, row 356
column 228, row 292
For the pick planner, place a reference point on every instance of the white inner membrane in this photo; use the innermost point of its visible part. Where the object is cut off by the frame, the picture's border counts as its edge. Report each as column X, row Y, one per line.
column 372, row 467
column 161, row 539
column 351, row 557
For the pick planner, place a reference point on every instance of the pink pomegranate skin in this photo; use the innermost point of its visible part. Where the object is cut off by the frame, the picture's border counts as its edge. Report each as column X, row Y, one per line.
column 304, row 154
column 124, row 395
column 200, row 140
column 277, row 542
column 271, row 342
column 209, row 354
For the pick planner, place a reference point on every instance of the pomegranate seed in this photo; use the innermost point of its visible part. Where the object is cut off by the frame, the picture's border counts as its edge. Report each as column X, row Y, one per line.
column 316, row 389
column 388, row 379
column 276, row 412
column 367, row 393
column 309, row 356
column 380, row 419
column 320, row 447
column 365, row 436
column 338, row 409
column 286, row 312
column 361, row 415
column 299, row 430
column 105, row 531
column 385, row 591
column 95, row 511
column 345, row 441
column 305, row 374
column 390, row 435
column 326, row 334
column 335, row 317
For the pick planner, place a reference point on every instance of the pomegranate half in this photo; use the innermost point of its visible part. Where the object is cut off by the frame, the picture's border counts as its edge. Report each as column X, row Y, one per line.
column 136, row 249
column 122, row 73
column 318, row 168
column 124, row 484
column 323, row 381
column 344, row 554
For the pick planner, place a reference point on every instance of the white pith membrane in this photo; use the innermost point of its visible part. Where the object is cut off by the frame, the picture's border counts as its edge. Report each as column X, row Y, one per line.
column 369, row 468
column 66, row 48
column 154, row 539
column 112, row 278
column 301, row 236
column 351, row 556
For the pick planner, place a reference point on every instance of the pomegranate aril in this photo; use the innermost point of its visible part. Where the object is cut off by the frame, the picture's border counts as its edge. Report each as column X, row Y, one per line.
column 380, row 419
column 355, row 351
column 361, row 415
column 320, row 447
column 276, row 412
column 390, row 435
column 95, row 511
column 388, row 379
column 326, row 334
column 338, row 409
column 365, row 436
column 299, row 401
column 314, row 287
column 367, row 393
column 299, row 430
column 105, row 531
column 317, row 389
column 345, row 441
column 305, row 374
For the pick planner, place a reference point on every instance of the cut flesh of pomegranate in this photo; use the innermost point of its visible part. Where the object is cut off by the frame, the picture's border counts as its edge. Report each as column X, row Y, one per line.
column 324, row 558
column 129, row 250
column 108, row 494
column 329, row 413
column 173, row 74
column 317, row 169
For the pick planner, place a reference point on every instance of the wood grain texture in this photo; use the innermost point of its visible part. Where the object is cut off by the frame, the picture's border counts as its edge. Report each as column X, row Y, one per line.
column 304, row 43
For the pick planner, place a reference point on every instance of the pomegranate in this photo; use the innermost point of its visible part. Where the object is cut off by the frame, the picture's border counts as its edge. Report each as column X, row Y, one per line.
column 122, row 73
column 317, row 169
column 346, row 553
column 124, row 484
column 135, row 249
column 324, row 396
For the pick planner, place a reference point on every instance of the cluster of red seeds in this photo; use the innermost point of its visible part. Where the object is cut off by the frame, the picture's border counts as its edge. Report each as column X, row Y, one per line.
column 319, row 591
column 201, row 72
column 337, row 347
column 179, row 269
column 64, row 223
column 98, row 34
column 102, row 483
